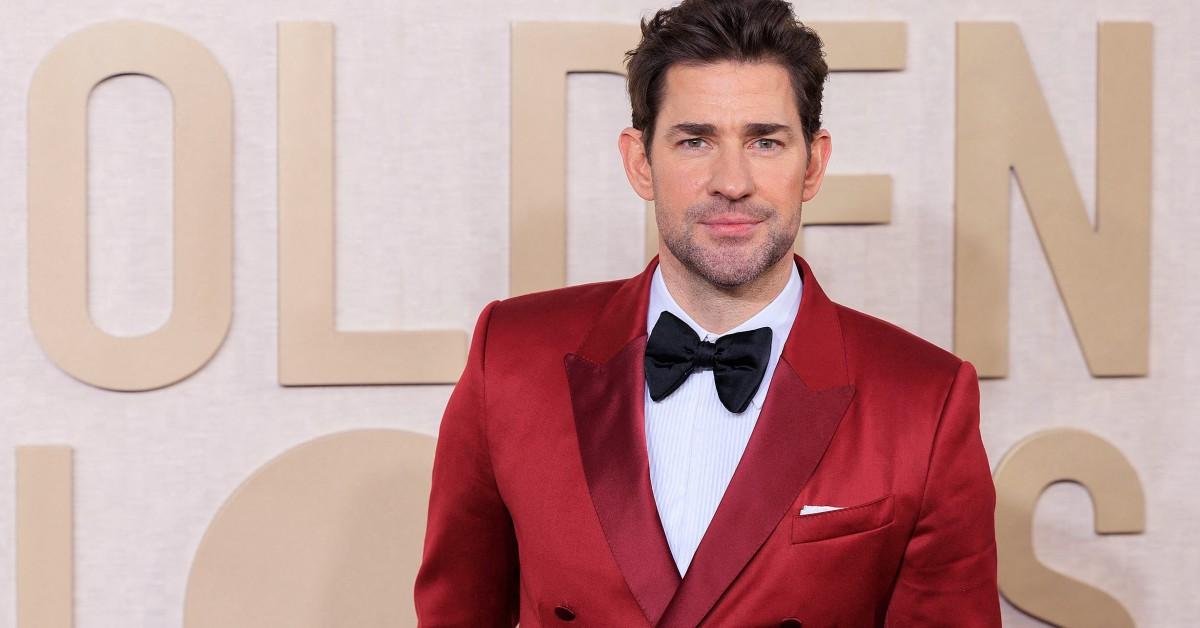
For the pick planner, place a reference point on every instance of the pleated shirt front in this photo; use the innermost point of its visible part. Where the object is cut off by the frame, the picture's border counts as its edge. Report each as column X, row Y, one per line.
column 693, row 442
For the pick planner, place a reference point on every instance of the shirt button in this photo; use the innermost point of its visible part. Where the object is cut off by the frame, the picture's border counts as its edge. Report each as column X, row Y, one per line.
column 791, row 622
column 564, row 612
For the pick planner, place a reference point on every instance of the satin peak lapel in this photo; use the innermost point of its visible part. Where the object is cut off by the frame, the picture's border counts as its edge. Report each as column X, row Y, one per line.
column 809, row 393
column 606, row 378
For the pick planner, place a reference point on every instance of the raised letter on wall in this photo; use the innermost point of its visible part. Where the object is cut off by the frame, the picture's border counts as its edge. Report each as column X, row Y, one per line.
column 45, row 528
column 1102, row 272
column 543, row 53
column 312, row 352
column 203, row 206
column 329, row 533
column 1032, row 465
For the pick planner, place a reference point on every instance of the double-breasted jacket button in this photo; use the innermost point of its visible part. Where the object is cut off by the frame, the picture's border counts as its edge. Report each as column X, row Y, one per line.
column 564, row 612
column 791, row 622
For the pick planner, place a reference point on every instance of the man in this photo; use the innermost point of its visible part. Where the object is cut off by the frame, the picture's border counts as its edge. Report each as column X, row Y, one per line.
column 712, row 442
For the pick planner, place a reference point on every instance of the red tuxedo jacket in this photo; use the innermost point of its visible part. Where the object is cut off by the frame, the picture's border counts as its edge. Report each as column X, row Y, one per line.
column 541, row 509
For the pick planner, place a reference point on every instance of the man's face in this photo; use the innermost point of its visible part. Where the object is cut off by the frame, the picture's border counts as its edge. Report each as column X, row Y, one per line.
column 728, row 168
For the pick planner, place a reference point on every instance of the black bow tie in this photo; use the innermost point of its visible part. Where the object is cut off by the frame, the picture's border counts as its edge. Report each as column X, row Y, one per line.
column 738, row 360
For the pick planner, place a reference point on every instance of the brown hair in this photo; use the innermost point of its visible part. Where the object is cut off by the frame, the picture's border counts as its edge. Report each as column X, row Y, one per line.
column 700, row 32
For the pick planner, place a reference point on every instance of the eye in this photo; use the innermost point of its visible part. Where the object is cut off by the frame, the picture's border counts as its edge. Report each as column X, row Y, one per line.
column 692, row 142
column 767, row 144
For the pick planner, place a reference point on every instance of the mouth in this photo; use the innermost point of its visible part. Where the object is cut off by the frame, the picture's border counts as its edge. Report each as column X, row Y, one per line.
column 730, row 225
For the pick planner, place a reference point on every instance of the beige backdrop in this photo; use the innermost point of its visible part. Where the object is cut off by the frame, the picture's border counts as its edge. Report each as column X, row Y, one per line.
column 422, row 96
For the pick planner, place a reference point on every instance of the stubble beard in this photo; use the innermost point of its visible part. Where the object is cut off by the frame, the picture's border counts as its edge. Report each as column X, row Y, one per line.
column 729, row 266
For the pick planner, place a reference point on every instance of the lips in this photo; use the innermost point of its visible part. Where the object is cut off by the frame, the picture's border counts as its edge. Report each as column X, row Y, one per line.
column 730, row 225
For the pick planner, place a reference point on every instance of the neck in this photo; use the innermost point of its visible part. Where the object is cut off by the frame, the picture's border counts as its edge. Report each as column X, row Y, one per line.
column 721, row 308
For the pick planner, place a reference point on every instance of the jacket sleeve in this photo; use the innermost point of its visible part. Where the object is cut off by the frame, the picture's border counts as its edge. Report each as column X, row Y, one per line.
column 948, row 574
column 469, row 570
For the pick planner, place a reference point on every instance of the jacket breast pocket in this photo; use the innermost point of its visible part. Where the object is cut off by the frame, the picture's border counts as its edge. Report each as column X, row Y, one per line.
column 844, row 522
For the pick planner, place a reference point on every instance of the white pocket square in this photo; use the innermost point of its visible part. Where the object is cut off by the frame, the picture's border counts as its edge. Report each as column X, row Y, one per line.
column 812, row 510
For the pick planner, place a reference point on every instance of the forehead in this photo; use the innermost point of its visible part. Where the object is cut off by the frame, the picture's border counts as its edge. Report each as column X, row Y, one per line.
column 727, row 93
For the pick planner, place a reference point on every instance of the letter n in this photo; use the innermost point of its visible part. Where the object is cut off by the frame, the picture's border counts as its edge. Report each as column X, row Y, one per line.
column 1102, row 271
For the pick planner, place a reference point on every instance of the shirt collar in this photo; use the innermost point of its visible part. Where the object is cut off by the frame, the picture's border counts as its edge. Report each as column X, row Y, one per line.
column 779, row 315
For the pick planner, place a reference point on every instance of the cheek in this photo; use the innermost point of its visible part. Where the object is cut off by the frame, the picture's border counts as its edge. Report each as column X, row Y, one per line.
column 679, row 187
column 781, row 184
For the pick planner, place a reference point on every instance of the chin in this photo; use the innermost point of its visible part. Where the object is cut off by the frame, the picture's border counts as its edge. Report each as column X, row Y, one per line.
column 728, row 261
column 728, row 269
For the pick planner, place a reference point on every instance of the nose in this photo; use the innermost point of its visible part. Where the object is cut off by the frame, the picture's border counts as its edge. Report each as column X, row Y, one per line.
column 731, row 176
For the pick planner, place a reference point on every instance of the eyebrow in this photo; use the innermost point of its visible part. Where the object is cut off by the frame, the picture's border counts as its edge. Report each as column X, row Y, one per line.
column 753, row 129
column 693, row 128
column 757, row 129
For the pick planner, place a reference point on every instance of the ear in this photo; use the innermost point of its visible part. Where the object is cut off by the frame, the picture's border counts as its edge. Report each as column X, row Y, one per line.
column 820, row 149
column 637, row 163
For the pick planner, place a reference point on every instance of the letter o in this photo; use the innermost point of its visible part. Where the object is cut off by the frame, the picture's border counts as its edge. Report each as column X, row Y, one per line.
column 202, row 303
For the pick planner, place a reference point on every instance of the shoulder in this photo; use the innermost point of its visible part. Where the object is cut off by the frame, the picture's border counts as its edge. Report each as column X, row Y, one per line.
column 564, row 306
column 877, row 349
column 557, row 319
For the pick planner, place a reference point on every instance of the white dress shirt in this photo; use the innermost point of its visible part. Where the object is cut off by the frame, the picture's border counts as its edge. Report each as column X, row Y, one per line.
column 693, row 442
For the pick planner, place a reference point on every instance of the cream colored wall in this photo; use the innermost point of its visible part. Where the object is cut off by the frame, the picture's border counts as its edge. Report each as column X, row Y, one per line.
column 422, row 188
